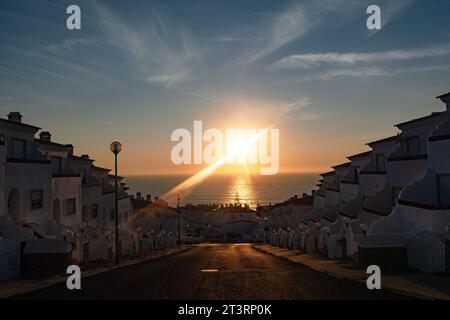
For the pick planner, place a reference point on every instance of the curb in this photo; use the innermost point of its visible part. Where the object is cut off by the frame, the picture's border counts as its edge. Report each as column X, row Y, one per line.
column 36, row 285
column 332, row 274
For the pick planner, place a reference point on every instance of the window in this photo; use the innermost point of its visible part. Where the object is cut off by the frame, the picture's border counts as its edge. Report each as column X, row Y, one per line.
column 413, row 146
column 443, row 182
column 380, row 162
column 37, row 199
column 19, row 148
column 83, row 176
column 84, row 213
column 126, row 217
column 94, row 210
column 71, row 206
column 56, row 165
column 112, row 214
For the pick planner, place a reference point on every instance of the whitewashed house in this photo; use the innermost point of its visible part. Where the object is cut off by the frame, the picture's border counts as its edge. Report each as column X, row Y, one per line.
column 26, row 180
column 322, row 199
column 372, row 179
column 66, row 183
column 413, row 234
column 26, row 194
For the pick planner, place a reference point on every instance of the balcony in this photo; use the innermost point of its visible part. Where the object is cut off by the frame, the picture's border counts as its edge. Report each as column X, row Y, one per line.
column 27, row 161
column 332, row 213
column 381, row 203
column 353, row 208
column 431, row 193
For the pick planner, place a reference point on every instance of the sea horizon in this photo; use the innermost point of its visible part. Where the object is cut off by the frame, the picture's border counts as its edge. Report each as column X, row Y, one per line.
column 226, row 188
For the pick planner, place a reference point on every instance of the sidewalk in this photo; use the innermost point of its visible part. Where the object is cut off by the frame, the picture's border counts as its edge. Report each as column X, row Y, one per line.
column 19, row 287
column 420, row 285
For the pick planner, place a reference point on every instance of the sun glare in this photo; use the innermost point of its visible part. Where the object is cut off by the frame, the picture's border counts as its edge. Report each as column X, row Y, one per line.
column 241, row 149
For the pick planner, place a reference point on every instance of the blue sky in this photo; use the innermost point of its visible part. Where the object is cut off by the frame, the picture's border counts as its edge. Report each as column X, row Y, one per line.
column 139, row 69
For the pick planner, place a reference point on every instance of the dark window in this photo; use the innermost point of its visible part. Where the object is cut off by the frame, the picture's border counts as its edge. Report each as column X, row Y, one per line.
column 71, row 206
column 380, row 162
column 126, row 217
column 83, row 176
column 19, row 150
column 413, row 146
column 112, row 214
column 37, row 199
column 84, row 213
column 94, row 210
column 443, row 184
column 56, row 165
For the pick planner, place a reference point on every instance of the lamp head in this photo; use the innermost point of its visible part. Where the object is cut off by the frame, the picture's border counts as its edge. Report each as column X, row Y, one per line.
column 115, row 147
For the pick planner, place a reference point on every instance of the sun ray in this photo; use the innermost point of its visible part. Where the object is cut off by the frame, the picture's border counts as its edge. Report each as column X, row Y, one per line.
column 199, row 177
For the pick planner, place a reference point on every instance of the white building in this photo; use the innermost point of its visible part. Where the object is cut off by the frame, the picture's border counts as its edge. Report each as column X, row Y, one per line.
column 413, row 233
column 56, row 203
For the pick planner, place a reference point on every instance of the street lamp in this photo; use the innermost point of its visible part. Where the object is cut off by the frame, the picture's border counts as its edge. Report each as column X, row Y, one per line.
column 115, row 148
column 179, row 223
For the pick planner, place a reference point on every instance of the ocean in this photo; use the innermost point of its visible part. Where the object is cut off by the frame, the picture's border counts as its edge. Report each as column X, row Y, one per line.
column 221, row 188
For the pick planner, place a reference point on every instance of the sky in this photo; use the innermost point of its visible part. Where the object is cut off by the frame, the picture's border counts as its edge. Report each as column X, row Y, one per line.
column 137, row 70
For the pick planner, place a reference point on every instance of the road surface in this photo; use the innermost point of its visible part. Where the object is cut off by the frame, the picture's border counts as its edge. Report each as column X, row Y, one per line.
column 216, row 271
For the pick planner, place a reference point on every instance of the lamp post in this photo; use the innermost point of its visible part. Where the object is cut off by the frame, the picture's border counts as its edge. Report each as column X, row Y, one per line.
column 179, row 222
column 115, row 148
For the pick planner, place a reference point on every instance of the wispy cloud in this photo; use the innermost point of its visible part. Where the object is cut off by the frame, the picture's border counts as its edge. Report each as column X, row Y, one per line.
column 269, row 110
column 162, row 50
column 367, row 72
column 304, row 17
column 226, row 39
column 70, row 44
column 287, row 26
column 317, row 59
column 392, row 8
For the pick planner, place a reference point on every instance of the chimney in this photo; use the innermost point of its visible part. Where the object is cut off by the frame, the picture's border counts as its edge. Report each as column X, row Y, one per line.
column 445, row 98
column 85, row 156
column 70, row 152
column 138, row 195
column 45, row 136
column 149, row 197
column 15, row 116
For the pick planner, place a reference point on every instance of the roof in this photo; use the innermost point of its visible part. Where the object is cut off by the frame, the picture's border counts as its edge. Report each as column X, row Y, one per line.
column 19, row 124
column 51, row 143
column 393, row 138
column 445, row 95
column 304, row 200
column 360, row 155
column 100, row 169
column 433, row 115
column 331, row 173
column 77, row 158
column 343, row 165
column 111, row 176
column 140, row 203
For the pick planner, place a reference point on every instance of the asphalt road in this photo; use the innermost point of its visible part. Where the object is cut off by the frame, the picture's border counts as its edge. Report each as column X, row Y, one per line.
column 242, row 273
